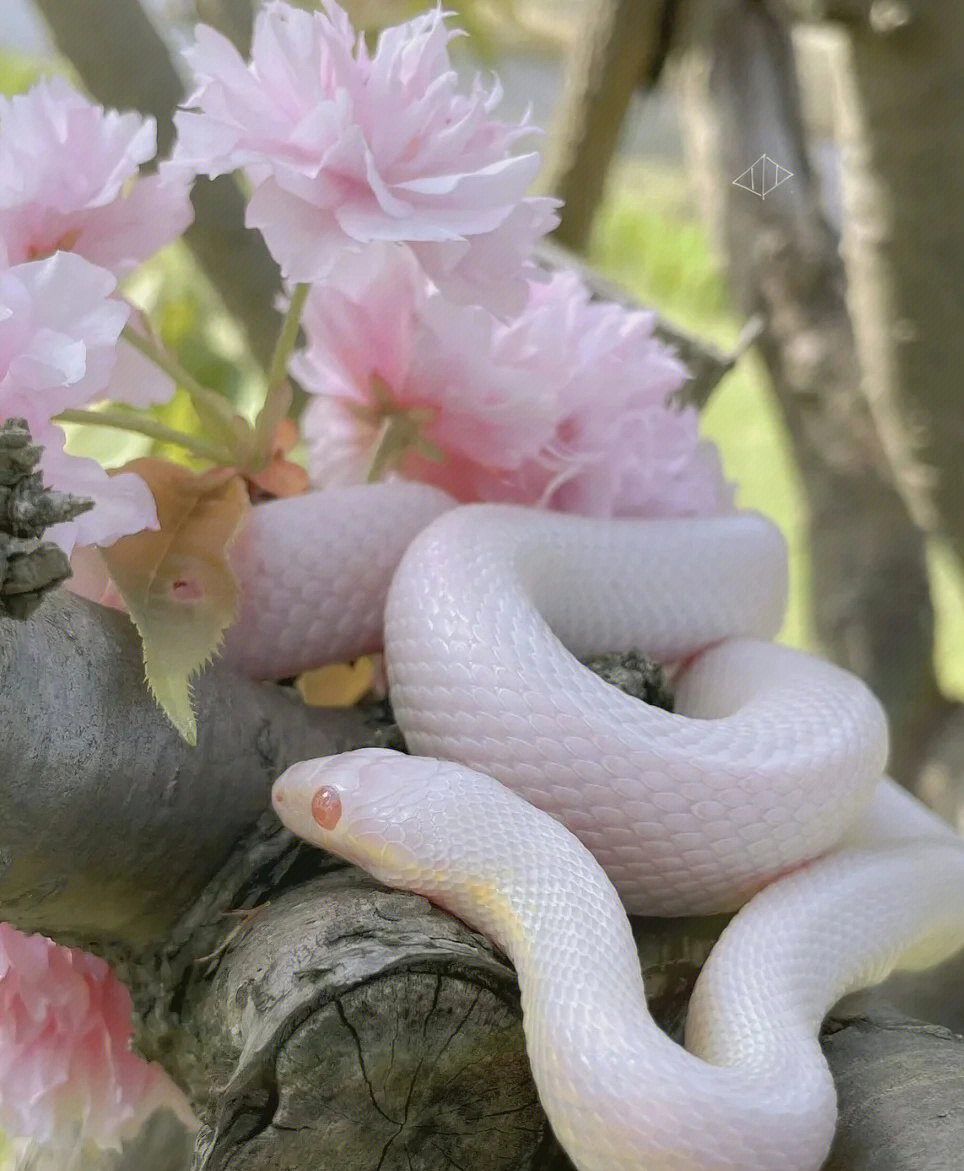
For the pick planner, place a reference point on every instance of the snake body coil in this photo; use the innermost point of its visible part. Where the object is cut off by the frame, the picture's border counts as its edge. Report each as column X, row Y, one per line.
column 767, row 779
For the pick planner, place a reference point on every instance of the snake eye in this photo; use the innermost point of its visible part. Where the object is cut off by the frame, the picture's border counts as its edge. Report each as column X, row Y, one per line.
column 326, row 807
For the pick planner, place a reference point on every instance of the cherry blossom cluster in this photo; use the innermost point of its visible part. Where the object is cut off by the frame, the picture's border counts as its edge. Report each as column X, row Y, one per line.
column 74, row 217
column 344, row 148
column 436, row 350
column 564, row 405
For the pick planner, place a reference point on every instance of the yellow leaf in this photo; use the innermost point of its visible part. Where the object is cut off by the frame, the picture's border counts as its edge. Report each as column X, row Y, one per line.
column 177, row 582
column 338, row 684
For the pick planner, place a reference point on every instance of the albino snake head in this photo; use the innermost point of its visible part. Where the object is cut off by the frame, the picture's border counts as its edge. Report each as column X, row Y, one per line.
column 364, row 806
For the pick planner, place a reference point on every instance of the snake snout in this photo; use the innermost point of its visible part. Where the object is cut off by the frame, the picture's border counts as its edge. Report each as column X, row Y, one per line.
column 308, row 798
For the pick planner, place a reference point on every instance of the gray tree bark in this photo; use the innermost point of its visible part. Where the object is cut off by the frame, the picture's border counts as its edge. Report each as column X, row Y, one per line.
column 874, row 1057
column 124, row 63
column 110, row 823
column 869, row 593
column 618, row 49
column 901, row 125
column 344, row 1019
column 901, row 114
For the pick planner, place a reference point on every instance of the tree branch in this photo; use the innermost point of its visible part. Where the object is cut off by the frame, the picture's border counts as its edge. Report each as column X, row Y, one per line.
column 882, row 16
column 870, row 591
column 110, row 824
column 620, row 48
column 901, row 122
column 900, row 1091
column 340, row 1017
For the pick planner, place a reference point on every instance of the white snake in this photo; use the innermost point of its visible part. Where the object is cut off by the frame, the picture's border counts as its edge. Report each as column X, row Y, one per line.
column 772, row 758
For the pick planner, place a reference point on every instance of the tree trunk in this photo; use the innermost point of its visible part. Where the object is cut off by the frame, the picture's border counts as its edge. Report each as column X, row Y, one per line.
column 346, row 1023
column 124, row 63
column 618, row 49
column 870, row 593
column 901, row 114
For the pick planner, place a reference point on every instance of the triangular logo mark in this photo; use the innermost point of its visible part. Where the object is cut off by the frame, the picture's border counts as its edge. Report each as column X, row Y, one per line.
column 762, row 177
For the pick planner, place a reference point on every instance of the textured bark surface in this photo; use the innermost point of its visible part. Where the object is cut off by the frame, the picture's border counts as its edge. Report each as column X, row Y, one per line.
column 110, row 823
column 124, row 63
column 619, row 48
column 901, row 114
column 29, row 565
column 336, row 1019
column 341, row 1021
column 900, row 1089
column 360, row 1026
column 869, row 588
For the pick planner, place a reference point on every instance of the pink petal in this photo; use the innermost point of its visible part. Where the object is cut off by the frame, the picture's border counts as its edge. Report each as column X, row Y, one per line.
column 69, row 181
column 123, row 503
column 67, row 1074
column 377, row 146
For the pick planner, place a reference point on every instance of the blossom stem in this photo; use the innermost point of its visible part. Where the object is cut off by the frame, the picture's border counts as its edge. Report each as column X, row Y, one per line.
column 399, row 431
column 211, row 406
column 394, row 435
column 153, row 428
column 278, row 366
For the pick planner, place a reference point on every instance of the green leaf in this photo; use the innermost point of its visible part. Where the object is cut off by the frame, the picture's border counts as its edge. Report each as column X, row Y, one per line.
column 177, row 582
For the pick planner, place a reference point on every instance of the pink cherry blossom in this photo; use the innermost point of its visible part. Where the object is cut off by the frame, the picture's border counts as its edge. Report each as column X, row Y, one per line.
column 67, row 1073
column 123, row 503
column 563, row 407
column 386, row 348
column 59, row 341
column 68, row 181
column 344, row 147
column 622, row 448
column 59, row 330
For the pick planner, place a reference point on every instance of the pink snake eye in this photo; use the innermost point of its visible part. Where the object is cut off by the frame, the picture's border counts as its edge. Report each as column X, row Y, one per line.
column 326, row 807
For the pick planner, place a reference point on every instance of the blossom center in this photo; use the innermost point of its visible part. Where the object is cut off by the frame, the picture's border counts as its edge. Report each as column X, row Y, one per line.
column 398, row 430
